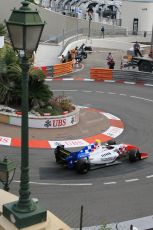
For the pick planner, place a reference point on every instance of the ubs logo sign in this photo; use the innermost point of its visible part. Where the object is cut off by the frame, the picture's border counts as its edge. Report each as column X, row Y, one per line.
column 55, row 123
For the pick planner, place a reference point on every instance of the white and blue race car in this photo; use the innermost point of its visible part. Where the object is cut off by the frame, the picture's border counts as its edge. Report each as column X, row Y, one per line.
column 97, row 154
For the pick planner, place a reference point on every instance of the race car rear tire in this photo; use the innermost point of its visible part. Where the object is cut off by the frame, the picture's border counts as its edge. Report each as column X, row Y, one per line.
column 82, row 166
column 134, row 155
column 57, row 159
column 111, row 142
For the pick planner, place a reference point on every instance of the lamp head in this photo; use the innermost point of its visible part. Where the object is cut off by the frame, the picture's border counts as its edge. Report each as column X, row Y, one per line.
column 7, row 170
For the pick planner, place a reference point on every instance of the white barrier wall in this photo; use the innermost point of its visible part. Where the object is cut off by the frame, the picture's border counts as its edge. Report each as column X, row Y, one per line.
column 1, row 41
column 52, row 122
column 47, row 55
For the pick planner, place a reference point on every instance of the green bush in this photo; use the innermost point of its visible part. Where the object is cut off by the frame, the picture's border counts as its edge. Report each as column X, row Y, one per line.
column 62, row 103
column 104, row 227
column 56, row 106
column 3, row 30
column 40, row 96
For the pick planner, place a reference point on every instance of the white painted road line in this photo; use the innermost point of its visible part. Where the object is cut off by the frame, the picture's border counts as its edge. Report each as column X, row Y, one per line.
column 150, row 176
column 89, row 79
column 87, row 91
column 148, row 85
column 68, row 79
column 141, row 98
column 99, row 92
column 130, row 83
column 122, row 94
column 109, row 81
column 111, row 93
column 112, row 182
column 48, row 79
column 132, row 180
column 55, row 184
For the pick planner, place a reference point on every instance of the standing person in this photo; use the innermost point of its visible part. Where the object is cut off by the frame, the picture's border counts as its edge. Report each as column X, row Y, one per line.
column 110, row 61
column 63, row 59
column 136, row 48
column 69, row 56
column 102, row 31
column 73, row 53
column 109, row 58
column 111, row 64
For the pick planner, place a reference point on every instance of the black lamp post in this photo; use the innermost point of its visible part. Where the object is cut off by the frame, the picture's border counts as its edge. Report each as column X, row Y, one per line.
column 25, row 28
column 151, row 47
column 90, row 18
column 7, row 171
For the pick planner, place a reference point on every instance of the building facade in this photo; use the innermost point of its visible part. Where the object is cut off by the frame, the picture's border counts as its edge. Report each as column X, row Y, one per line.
column 137, row 16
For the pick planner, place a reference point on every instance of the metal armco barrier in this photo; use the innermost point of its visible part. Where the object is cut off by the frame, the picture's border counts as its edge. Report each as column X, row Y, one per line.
column 101, row 74
column 135, row 76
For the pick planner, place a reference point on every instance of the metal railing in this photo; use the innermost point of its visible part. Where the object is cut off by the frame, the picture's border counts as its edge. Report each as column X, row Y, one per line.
column 133, row 76
column 84, row 32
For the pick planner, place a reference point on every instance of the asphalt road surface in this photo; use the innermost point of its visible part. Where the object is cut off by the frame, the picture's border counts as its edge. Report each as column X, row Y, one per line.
column 111, row 194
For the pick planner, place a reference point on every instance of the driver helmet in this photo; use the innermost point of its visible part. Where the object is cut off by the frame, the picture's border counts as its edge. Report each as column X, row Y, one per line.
column 97, row 142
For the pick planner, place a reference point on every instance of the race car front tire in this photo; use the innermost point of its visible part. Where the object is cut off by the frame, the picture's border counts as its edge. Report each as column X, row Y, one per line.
column 134, row 155
column 82, row 166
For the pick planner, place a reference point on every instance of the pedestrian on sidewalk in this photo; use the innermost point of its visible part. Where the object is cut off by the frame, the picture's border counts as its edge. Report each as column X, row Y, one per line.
column 102, row 31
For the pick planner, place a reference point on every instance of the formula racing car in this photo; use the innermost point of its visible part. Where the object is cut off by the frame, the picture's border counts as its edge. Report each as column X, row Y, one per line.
column 97, row 154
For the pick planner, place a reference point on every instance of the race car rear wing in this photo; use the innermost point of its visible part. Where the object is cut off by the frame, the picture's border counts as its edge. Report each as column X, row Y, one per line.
column 61, row 152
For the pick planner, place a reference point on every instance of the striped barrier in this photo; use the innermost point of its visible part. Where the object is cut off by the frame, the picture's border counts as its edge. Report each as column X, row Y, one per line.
column 47, row 70
column 63, row 68
column 56, row 70
column 100, row 74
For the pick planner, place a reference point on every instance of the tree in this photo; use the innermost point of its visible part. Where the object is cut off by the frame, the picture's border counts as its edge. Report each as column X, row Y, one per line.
column 41, row 98
column 10, row 83
column 39, row 92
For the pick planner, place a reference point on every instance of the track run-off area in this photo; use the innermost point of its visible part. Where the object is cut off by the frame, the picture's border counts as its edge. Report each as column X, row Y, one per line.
column 111, row 194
